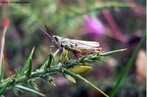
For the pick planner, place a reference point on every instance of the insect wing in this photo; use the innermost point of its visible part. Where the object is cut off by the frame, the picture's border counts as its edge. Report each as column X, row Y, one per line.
column 87, row 45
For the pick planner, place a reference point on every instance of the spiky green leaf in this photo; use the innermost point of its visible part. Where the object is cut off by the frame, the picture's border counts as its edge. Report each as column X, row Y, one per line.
column 49, row 60
column 17, row 91
column 26, row 66
column 3, row 89
column 29, row 68
column 33, row 85
column 5, row 86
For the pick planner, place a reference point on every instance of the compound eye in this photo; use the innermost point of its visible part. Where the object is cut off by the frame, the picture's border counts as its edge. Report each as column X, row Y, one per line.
column 56, row 38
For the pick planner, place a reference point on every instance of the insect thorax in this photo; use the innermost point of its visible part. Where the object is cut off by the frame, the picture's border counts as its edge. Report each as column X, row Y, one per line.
column 64, row 42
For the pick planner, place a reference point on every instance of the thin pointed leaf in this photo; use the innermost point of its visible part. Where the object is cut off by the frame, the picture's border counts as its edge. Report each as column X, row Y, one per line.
column 33, row 85
column 113, row 52
column 27, row 63
column 81, row 78
column 29, row 68
column 49, row 60
column 51, row 80
column 28, row 90
column 44, row 65
column 4, row 87
column 2, row 71
column 16, row 91
column 52, row 83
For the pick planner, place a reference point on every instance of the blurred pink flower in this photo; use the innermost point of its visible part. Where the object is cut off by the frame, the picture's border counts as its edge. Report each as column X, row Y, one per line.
column 94, row 26
column 61, row 81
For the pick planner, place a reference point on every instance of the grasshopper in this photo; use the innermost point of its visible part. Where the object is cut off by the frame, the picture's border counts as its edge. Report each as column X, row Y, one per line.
column 78, row 47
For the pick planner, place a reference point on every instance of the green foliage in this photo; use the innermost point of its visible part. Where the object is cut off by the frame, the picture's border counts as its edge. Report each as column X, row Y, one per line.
column 50, row 59
column 58, row 16
column 26, row 89
column 45, row 73
column 113, row 52
column 6, row 84
column 28, row 64
column 63, row 67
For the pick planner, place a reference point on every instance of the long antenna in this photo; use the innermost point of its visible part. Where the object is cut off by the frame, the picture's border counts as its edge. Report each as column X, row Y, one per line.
column 53, row 39
column 48, row 31
column 49, row 35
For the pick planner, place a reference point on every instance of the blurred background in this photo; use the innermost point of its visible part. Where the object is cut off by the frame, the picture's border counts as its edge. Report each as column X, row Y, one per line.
column 115, row 24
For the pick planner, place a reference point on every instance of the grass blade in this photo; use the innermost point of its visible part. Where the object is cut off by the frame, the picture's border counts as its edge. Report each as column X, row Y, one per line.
column 127, row 67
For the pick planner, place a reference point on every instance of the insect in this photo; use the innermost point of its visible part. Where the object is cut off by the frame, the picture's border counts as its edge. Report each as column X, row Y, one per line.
column 78, row 47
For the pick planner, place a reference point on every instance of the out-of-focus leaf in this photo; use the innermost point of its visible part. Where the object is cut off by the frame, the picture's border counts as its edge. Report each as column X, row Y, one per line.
column 28, row 90
column 2, row 49
column 26, row 66
column 2, row 96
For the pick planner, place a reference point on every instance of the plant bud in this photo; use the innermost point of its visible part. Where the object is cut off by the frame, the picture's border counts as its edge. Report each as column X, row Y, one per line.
column 70, row 78
column 81, row 69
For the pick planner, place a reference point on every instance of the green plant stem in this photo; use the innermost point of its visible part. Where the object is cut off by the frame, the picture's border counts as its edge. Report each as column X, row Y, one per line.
column 24, row 78
column 112, row 52
column 127, row 67
column 81, row 78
